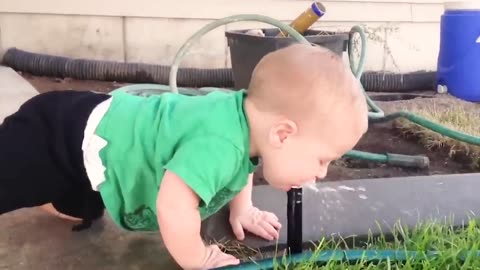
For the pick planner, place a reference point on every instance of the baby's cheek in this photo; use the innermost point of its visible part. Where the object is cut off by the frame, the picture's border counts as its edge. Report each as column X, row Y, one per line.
column 267, row 172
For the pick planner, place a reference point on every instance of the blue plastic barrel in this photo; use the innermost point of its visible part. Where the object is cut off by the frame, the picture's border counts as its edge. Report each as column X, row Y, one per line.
column 458, row 66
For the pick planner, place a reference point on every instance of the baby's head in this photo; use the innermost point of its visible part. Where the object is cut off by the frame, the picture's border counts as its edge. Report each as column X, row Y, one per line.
column 305, row 109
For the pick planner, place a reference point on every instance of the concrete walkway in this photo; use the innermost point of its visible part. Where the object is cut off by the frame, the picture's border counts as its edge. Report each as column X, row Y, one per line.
column 31, row 239
column 14, row 90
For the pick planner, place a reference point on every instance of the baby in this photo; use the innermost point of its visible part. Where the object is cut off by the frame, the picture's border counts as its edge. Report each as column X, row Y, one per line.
column 166, row 162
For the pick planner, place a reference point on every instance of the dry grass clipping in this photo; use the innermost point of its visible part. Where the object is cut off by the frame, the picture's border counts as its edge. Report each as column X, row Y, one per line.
column 246, row 253
column 238, row 249
column 455, row 114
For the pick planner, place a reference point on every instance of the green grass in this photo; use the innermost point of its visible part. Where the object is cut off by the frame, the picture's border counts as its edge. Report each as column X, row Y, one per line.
column 455, row 248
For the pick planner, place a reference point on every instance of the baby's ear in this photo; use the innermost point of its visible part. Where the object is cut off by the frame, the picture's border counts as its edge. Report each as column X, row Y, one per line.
column 282, row 131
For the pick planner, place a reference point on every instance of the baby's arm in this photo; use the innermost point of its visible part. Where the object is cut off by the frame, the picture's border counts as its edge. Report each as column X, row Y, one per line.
column 243, row 200
column 179, row 221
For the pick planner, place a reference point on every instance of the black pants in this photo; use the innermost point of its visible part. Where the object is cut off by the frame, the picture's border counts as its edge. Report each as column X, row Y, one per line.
column 41, row 158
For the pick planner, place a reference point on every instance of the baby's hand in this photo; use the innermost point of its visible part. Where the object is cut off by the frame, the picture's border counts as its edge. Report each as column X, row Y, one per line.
column 260, row 223
column 215, row 258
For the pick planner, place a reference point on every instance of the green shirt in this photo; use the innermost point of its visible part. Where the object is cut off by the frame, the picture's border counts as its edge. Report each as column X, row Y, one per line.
column 202, row 139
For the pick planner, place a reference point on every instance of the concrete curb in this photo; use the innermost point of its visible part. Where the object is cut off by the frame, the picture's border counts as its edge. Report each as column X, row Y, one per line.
column 355, row 207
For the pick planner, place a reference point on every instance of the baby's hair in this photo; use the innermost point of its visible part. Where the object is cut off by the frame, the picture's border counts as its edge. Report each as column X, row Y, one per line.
column 301, row 81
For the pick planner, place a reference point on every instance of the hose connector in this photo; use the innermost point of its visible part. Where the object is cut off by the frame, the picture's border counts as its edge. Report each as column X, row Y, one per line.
column 417, row 161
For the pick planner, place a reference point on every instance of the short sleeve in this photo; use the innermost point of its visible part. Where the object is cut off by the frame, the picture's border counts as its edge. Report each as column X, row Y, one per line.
column 206, row 165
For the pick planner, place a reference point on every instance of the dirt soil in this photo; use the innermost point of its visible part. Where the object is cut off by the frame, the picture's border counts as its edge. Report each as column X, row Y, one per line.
column 381, row 138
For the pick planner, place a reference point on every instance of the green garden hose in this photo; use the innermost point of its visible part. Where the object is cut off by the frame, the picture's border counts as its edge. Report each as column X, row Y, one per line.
column 459, row 136
column 209, row 27
column 377, row 115
column 377, row 112
column 351, row 256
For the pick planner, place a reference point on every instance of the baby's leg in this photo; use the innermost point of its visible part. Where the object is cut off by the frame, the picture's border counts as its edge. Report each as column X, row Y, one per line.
column 28, row 174
column 49, row 208
column 40, row 154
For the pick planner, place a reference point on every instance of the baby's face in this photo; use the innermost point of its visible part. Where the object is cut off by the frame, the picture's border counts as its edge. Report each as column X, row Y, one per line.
column 304, row 159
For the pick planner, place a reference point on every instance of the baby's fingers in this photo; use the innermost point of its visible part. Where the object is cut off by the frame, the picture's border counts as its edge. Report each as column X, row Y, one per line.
column 272, row 232
column 273, row 220
column 262, row 230
column 225, row 261
column 217, row 258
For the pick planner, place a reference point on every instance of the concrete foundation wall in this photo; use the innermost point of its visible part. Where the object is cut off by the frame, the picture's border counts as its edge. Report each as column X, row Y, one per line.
column 402, row 35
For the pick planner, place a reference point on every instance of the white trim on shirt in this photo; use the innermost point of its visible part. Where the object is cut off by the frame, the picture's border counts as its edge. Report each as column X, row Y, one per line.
column 92, row 144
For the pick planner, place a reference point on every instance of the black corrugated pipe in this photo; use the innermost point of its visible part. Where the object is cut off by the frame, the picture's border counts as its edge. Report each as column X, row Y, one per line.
column 84, row 69
column 394, row 82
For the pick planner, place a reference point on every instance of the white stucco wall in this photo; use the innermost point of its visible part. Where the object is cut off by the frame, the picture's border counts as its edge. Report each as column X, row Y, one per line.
column 403, row 34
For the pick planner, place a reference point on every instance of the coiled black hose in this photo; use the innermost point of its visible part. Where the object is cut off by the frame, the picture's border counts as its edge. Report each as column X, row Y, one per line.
column 84, row 69
column 392, row 82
